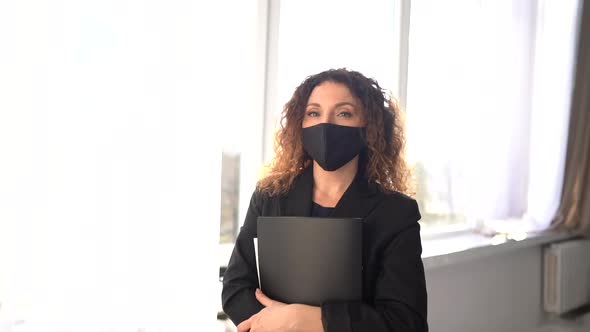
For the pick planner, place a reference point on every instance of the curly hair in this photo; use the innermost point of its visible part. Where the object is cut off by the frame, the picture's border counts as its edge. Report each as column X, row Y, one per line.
column 383, row 161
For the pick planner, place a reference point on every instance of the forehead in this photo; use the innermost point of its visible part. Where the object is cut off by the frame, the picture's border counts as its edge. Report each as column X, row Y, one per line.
column 329, row 91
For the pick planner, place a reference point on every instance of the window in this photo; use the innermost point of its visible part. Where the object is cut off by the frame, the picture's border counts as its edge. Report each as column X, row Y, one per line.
column 230, row 195
column 479, row 77
column 242, row 117
column 318, row 35
column 469, row 82
column 469, row 86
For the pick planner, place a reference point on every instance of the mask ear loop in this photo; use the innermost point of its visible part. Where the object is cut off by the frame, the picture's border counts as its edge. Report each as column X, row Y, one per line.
column 307, row 159
column 363, row 161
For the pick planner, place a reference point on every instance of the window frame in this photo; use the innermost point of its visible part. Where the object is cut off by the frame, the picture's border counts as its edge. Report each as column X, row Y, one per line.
column 265, row 89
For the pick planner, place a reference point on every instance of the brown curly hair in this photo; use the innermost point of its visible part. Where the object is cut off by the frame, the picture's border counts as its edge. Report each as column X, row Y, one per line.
column 383, row 161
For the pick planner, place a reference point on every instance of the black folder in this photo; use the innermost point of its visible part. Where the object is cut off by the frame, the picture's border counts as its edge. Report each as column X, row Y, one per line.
column 310, row 260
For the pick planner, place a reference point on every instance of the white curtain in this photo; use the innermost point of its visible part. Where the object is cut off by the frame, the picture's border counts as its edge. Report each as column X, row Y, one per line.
column 555, row 51
column 478, row 93
column 109, row 167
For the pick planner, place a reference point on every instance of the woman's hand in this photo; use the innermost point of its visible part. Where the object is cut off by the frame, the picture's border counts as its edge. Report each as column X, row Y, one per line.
column 278, row 316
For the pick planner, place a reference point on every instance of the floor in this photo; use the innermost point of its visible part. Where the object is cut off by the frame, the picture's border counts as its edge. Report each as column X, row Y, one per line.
column 581, row 324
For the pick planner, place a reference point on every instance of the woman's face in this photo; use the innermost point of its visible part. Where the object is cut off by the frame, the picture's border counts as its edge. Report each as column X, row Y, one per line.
column 333, row 103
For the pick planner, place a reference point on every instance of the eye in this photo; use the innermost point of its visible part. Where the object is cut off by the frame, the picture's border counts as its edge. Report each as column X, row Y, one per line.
column 345, row 114
column 313, row 113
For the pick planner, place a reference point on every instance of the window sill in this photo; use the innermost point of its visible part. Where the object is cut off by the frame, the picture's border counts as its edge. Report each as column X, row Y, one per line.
column 455, row 247
column 459, row 248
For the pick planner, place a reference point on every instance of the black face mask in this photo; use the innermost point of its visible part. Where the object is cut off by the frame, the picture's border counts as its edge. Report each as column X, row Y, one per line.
column 331, row 145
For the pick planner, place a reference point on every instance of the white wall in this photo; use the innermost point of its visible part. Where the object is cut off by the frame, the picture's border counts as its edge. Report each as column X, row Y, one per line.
column 496, row 293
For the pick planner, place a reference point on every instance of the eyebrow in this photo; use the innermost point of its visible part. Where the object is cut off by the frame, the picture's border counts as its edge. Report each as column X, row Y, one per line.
column 335, row 106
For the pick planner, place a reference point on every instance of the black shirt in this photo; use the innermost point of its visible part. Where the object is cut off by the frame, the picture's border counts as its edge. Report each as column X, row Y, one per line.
column 320, row 211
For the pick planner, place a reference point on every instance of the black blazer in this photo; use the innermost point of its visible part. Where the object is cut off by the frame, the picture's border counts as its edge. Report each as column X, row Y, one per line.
column 394, row 287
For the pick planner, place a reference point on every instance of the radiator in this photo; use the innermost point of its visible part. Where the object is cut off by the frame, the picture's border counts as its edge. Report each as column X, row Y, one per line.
column 566, row 276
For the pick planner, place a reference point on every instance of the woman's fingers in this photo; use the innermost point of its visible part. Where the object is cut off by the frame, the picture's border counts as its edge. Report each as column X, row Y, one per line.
column 253, row 323
column 263, row 299
column 245, row 325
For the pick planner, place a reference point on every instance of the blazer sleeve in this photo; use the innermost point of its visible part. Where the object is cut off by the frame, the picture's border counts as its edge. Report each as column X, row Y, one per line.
column 240, row 279
column 400, row 290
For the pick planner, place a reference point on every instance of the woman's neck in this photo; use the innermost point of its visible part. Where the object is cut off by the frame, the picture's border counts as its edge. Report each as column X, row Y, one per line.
column 328, row 187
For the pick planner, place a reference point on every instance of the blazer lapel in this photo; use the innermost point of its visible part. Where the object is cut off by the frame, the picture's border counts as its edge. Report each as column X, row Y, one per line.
column 298, row 200
column 357, row 201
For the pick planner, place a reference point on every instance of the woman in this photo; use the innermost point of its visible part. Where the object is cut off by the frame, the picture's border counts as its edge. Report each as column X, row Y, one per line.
column 339, row 154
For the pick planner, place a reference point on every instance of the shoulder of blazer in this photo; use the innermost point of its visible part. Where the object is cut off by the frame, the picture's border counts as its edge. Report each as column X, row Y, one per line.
column 263, row 202
column 401, row 200
column 397, row 212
